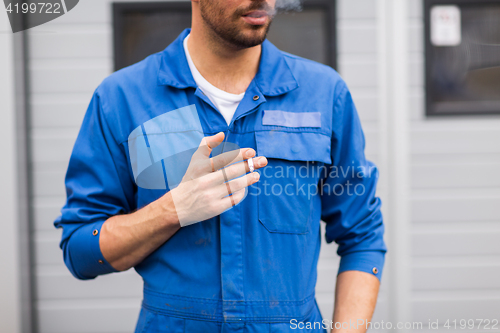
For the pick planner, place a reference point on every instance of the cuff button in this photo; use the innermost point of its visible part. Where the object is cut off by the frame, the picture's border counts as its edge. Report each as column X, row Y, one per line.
column 95, row 232
column 375, row 270
column 100, row 262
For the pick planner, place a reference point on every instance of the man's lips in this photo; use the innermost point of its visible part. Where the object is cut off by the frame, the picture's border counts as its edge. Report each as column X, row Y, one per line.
column 256, row 17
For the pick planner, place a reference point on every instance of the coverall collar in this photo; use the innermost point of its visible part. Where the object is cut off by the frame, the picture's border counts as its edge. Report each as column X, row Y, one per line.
column 273, row 77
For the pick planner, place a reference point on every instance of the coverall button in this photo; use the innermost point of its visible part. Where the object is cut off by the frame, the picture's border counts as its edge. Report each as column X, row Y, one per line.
column 375, row 270
column 296, row 149
column 100, row 261
column 95, row 232
column 256, row 98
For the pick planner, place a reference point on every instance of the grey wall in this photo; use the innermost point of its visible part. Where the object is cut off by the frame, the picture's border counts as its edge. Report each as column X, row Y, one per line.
column 357, row 63
column 69, row 57
column 455, row 191
column 455, row 200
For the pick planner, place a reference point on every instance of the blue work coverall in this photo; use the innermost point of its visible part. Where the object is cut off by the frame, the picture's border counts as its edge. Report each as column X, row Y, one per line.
column 254, row 267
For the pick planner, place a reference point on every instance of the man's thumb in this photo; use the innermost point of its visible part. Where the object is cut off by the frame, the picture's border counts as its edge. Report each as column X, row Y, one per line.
column 214, row 140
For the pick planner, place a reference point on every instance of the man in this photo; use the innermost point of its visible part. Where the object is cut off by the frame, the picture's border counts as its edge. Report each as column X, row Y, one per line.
column 222, row 248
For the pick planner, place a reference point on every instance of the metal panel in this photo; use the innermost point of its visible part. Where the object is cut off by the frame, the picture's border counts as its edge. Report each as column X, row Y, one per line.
column 445, row 175
column 359, row 73
column 56, row 283
column 356, row 38
column 455, row 208
column 455, row 305
column 449, row 243
column 434, row 207
column 66, row 67
column 92, row 43
column 456, row 141
column 85, row 316
column 454, row 277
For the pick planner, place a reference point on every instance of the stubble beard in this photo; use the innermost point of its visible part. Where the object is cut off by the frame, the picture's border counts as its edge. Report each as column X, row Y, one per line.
column 227, row 28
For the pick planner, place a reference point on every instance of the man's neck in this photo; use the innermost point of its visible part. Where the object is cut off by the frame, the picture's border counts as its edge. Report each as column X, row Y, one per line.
column 226, row 67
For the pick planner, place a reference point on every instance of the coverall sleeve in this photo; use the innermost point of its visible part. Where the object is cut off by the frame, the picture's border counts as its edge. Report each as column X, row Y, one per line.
column 98, row 186
column 350, row 207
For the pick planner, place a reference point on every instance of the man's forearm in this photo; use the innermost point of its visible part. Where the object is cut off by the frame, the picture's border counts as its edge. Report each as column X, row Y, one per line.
column 126, row 240
column 355, row 299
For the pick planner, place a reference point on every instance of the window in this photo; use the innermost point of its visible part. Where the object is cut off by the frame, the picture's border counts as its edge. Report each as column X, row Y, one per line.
column 462, row 57
column 144, row 28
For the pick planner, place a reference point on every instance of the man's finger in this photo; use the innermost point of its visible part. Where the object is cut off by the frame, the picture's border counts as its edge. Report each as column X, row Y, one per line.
column 235, row 171
column 238, row 169
column 237, row 184
column 215, row 140
column 224, row 159
column 233, row 200
column 208, row 143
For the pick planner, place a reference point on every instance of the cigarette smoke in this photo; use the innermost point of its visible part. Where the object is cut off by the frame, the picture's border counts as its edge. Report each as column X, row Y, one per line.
column 286, row 5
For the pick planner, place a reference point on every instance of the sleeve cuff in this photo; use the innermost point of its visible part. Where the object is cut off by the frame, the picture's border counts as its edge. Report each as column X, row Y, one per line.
column 86, row 259
column 371, row 262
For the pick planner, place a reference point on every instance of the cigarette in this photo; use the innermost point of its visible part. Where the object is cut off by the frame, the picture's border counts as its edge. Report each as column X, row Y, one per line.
column 250, row 165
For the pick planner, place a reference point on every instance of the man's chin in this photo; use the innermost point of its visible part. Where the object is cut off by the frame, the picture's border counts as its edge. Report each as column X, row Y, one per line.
column 242, row 35
column 249, row 42
column 253, row 35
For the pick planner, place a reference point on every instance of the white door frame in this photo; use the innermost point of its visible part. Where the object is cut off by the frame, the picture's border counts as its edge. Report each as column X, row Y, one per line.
column 15, row 276
column 394, row 85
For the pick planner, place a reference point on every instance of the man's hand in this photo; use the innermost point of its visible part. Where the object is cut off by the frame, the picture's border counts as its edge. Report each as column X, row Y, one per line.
column 125, row 240
column 355, row 299
column 211, row 185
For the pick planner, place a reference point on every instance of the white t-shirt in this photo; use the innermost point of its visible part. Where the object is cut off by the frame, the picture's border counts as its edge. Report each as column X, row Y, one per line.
column 225, row 102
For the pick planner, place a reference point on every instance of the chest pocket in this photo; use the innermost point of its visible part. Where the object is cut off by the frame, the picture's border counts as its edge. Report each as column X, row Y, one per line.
column 289, row 182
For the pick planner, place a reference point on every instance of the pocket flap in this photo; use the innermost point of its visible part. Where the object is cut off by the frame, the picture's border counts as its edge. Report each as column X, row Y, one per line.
column 291, row 119
column 294, row 146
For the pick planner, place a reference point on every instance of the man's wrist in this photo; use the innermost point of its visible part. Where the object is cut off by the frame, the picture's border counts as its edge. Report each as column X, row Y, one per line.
column 168, row 212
